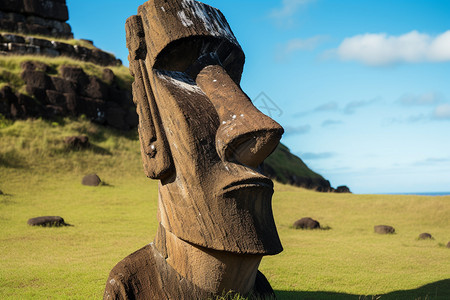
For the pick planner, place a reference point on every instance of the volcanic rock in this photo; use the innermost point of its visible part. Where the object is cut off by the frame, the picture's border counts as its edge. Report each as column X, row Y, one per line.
column 77, row 142
column 425, row 236
column 47, row 221
column 91, row 180
column 343, row 189
column 306, row 223
column 384, row 229
column 37, row 79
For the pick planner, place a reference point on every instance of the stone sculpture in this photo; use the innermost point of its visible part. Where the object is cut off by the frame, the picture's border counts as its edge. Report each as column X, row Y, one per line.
column 203, row 139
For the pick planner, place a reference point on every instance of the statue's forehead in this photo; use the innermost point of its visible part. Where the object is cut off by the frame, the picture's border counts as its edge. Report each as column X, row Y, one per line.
column 168, row 23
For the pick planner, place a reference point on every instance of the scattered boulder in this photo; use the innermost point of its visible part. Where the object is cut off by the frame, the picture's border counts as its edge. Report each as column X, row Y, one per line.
column 384, row 229
column 448, row 245
column 1, row 193
column 343, row 189
column 91, row 180
column 77, row 142
column 306, row 223
column 34, row 66
column 47, row 221
column 425, row 236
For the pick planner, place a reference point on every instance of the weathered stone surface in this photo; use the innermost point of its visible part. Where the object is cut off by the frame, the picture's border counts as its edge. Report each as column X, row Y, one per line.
column 39, row 42
column 29, row 106
column 91, row 180
column 11, row 5
column 342, row 189
column 384, row 229
column 45, row 17
column 64, row 86
column 94, row 89
column 37, row 79
column 108, row 76
column 12, row 38
column 77, row 142
column 306, row 223
column 39, row 94
column 50, row 9
column 425, row 236
column 74, row 74
column 7, row 101
column 47, row 221
column 202, row 138
column 18, row 44
column 34, row 66
column 56, row 98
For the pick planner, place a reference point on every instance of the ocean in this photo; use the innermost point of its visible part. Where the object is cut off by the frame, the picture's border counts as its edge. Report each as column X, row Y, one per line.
column 424, row 194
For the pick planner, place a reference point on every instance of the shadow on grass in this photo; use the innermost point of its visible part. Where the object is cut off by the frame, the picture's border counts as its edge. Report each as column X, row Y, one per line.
column 99, row 150
column 11, row 160
column 92, row 148
column 439, row 290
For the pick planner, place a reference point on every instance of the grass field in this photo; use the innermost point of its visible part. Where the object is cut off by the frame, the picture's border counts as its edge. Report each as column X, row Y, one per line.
column 39, row 176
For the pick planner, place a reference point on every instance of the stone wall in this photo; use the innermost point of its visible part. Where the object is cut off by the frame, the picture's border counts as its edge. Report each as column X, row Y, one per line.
column 43, row 17
column 69, row 93
column 21, row 45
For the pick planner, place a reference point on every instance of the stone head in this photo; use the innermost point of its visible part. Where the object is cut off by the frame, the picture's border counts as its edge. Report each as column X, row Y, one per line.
column 200, row 134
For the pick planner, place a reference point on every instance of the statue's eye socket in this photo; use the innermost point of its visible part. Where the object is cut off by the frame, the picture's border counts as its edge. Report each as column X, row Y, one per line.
column 181, row 54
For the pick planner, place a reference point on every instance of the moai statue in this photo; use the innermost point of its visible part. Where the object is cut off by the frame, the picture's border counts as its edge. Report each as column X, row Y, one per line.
column 203, row 139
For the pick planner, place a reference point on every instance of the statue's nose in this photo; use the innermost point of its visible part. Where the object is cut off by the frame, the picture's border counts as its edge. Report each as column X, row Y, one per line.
column 245, row 134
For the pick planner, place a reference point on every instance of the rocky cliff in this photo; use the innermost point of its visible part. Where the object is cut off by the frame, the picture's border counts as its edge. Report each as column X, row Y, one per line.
column 288, row 168
column 69, row 91
column 43, row 17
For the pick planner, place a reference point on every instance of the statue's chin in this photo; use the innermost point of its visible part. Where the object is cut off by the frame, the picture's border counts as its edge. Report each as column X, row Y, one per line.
column 243, row 222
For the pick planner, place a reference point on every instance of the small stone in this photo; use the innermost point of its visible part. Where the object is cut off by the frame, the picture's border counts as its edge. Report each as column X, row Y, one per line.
column 448, row 245
column 91, row 180
column 306, row 223
column 47, row 221
column 425, row 236
column 77, row 142
column 384, row 229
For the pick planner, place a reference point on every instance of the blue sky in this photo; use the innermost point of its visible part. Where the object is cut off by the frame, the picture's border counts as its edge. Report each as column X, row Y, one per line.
column 362, row 88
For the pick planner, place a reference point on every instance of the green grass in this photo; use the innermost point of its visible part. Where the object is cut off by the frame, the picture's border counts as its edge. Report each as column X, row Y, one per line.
column 39, row 176
column 10, row 69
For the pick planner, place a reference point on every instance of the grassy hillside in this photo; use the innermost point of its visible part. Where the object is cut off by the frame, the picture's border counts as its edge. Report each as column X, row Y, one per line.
column 286, row 167
column 10, row 69
column 40, row 176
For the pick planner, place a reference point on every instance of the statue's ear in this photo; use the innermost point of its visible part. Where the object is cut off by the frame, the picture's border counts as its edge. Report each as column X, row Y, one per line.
column 156, row 156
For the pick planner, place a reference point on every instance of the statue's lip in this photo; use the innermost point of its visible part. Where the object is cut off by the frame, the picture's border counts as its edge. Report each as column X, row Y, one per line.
column 258, row 182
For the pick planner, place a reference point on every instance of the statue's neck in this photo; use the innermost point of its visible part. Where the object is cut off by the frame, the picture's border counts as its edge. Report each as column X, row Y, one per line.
column 211, row 270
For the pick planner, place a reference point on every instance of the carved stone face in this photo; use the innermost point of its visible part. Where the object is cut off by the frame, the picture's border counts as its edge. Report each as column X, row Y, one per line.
column 211, row 193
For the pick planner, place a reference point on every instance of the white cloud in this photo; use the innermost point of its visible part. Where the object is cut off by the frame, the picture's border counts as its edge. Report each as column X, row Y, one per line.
column 296, row 45
column 297, row 130
column 381, row 49
column 299, row 44
column 424, row 99
column 330, row 106
column 313, row 156
column 328, row 123
column 352, row 106
column 289, row 8
column 442, row 112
